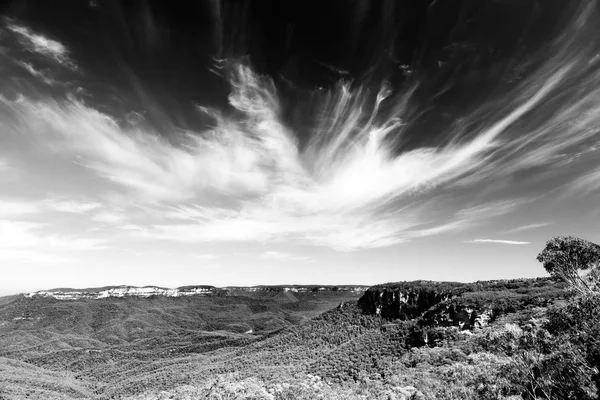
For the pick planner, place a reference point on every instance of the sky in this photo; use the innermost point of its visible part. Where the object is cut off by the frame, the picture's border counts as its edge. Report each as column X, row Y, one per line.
column 293, row 142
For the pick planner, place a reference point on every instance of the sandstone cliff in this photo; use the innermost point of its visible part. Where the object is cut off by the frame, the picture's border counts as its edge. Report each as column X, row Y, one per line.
column 148, row 291
column 457, row 304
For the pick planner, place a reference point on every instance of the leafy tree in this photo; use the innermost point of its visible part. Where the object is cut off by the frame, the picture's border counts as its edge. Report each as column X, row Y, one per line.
column 573, row 260
column 579, row 324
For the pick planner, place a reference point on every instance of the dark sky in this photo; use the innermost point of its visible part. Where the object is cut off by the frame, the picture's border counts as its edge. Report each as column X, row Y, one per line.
column 264, row 142
column 460, row 51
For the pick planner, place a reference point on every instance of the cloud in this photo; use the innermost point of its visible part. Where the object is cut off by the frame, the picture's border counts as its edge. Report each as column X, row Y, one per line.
column 8, row 172
column 71, row 205
column 262, row 225
column 152, row 168
column 452, row 226
column 247, row 179
column 40, row 44
column 497, row 241
column 18, row 234
column 351, row 184
column 21, row 234
column 108, row 217
column 12, row 208
column 585, row 184
column 9, row 209
column 529, row 227
column 24, row 241
column 279, row 255
column 31, row 257
column 203, row 256
column 38, row 74
column 275, row 255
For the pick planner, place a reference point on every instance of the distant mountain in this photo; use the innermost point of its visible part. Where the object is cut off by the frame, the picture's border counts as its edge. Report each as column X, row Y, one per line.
column 148, row 291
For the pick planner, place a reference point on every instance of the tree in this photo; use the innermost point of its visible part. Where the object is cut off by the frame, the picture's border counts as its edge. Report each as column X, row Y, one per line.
column 573, row 260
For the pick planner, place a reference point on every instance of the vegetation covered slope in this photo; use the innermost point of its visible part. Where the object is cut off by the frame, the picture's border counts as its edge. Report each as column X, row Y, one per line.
column 116, row 348
column 105, row 340
column 539, row 342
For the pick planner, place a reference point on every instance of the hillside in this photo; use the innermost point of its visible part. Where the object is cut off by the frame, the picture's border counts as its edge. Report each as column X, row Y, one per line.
column 322, row 343
column 97, row 338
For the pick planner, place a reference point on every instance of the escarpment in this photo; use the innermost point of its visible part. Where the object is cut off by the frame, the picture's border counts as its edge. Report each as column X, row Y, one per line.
column 466, row 305
column 401, row 302
column 211, row 291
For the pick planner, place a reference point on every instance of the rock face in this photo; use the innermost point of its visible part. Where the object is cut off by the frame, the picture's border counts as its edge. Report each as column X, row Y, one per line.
column 431, row 302
column 466, row 305
column 465, row 317
column 400, row 303
column 148, row 291
column 121, row 291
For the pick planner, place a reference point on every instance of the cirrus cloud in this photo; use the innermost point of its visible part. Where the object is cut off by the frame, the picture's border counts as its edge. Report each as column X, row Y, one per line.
column 30, row 242
column 349, row 186
column 497, row 241
column 40, row 44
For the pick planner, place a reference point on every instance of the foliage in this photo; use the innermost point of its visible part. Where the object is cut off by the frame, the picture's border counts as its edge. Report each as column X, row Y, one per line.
column 567, row 257
column 559, row 357
column 546, row 366
column 578, row 324
column 540, row 343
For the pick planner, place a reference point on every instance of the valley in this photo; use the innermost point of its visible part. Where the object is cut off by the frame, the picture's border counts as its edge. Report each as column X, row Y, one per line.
column 346, row 342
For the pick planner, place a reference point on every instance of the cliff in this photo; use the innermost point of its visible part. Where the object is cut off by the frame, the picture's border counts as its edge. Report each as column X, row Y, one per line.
column 149, row 291
column 466, row 305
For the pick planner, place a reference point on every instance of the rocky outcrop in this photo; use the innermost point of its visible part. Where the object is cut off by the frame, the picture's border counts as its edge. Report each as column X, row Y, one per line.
column 400, row 302
column 437, row 303
column 149, row 291
column 465, row 317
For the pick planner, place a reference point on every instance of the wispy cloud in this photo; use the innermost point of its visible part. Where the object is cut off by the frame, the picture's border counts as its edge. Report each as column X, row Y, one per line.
column 529, row 227
column 335, row 203
column 9, row 209
column 18, row 234
column 8, row 172
column 497, row 241
column 21, row 207
column 71, row 205
column 275, row 255
column 204, row 256
column 23, row 234
column 40, row 44
column 108, row 217
column 37, row 73
column 590, row 182
column 280, row 255
column 212, row 266
column 349, row 186
column 31, row 257
column 338, row 192
column 30, row 242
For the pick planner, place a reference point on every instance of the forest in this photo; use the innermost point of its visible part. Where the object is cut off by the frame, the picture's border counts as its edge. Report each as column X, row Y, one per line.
column 406, row 340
